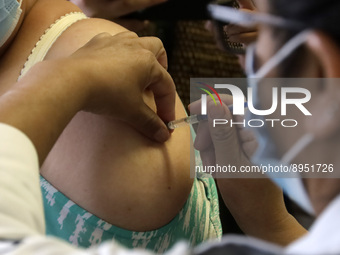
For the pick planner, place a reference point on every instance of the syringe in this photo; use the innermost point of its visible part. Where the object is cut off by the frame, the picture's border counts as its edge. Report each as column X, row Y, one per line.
column 193, row 119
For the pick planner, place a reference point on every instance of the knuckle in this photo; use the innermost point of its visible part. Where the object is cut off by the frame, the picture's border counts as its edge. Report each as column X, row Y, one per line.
column 157, row 41
column 128, row 34
column 147, row 55
column 132, row 34
column 99, row 39
column 103, row 36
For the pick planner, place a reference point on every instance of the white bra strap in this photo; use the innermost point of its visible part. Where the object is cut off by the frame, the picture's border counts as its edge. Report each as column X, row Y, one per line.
column 51, row 34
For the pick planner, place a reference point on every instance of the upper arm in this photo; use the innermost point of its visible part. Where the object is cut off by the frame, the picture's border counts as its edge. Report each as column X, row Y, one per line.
column 146, row 183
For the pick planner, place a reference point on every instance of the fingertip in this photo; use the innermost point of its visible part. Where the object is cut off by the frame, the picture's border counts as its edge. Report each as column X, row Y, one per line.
column 246, row 4
column 195, row 107
column 148, row 123
column 216, row 111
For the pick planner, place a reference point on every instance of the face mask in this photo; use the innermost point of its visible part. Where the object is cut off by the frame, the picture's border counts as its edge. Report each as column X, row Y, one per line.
column 266, row 153
column 10, row 12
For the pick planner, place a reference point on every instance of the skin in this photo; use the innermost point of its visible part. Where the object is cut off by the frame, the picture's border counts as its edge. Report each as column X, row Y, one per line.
column 323, row 57
column 111, row 9
column 320, row 61
column 42, row 112
column 267, row 218
column 237, row 33
column 98, row 159
column 114, row 9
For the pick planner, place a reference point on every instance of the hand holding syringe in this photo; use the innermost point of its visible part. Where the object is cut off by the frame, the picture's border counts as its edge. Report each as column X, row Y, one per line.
column 194, row 119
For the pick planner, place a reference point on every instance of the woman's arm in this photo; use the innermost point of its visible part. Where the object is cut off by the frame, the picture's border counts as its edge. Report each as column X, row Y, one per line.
column 45, row 100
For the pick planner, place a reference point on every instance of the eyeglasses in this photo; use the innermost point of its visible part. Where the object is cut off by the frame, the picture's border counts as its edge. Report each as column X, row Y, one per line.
column 232, row 15
column 251, row 60
column 227, row 14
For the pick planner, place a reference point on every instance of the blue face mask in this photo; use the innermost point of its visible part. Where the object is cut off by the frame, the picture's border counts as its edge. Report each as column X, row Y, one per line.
column 266, row 153
column 10, row 12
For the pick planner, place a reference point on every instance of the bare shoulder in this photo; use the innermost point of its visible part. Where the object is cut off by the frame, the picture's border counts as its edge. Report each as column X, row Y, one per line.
column 36, row 22
column 79, row 34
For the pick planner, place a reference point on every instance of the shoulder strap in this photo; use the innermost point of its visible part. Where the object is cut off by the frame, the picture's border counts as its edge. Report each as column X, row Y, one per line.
column 51, row 34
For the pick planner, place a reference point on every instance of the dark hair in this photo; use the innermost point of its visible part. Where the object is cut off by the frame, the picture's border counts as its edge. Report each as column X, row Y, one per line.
column 322, row 15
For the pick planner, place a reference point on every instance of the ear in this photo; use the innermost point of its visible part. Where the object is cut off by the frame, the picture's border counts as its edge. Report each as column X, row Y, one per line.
column 326, row 51
column 325, row 106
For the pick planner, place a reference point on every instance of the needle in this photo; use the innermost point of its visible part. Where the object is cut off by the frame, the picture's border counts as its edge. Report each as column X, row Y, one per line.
column 193, row 119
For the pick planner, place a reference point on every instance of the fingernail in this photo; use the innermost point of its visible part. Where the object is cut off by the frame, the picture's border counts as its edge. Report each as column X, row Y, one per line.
column 162, row 135
column 216, row 111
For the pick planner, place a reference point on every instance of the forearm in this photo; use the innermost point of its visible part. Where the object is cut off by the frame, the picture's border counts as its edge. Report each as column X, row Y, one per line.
column 259, row 210
column 42, row 103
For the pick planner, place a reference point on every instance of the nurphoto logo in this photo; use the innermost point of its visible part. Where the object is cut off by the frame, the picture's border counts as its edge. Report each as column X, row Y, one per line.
column 239, row 101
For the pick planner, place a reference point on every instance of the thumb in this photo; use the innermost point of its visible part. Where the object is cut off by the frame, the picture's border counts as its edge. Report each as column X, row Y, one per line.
column 224, row 137
column 246, row 4
column 147, row 122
